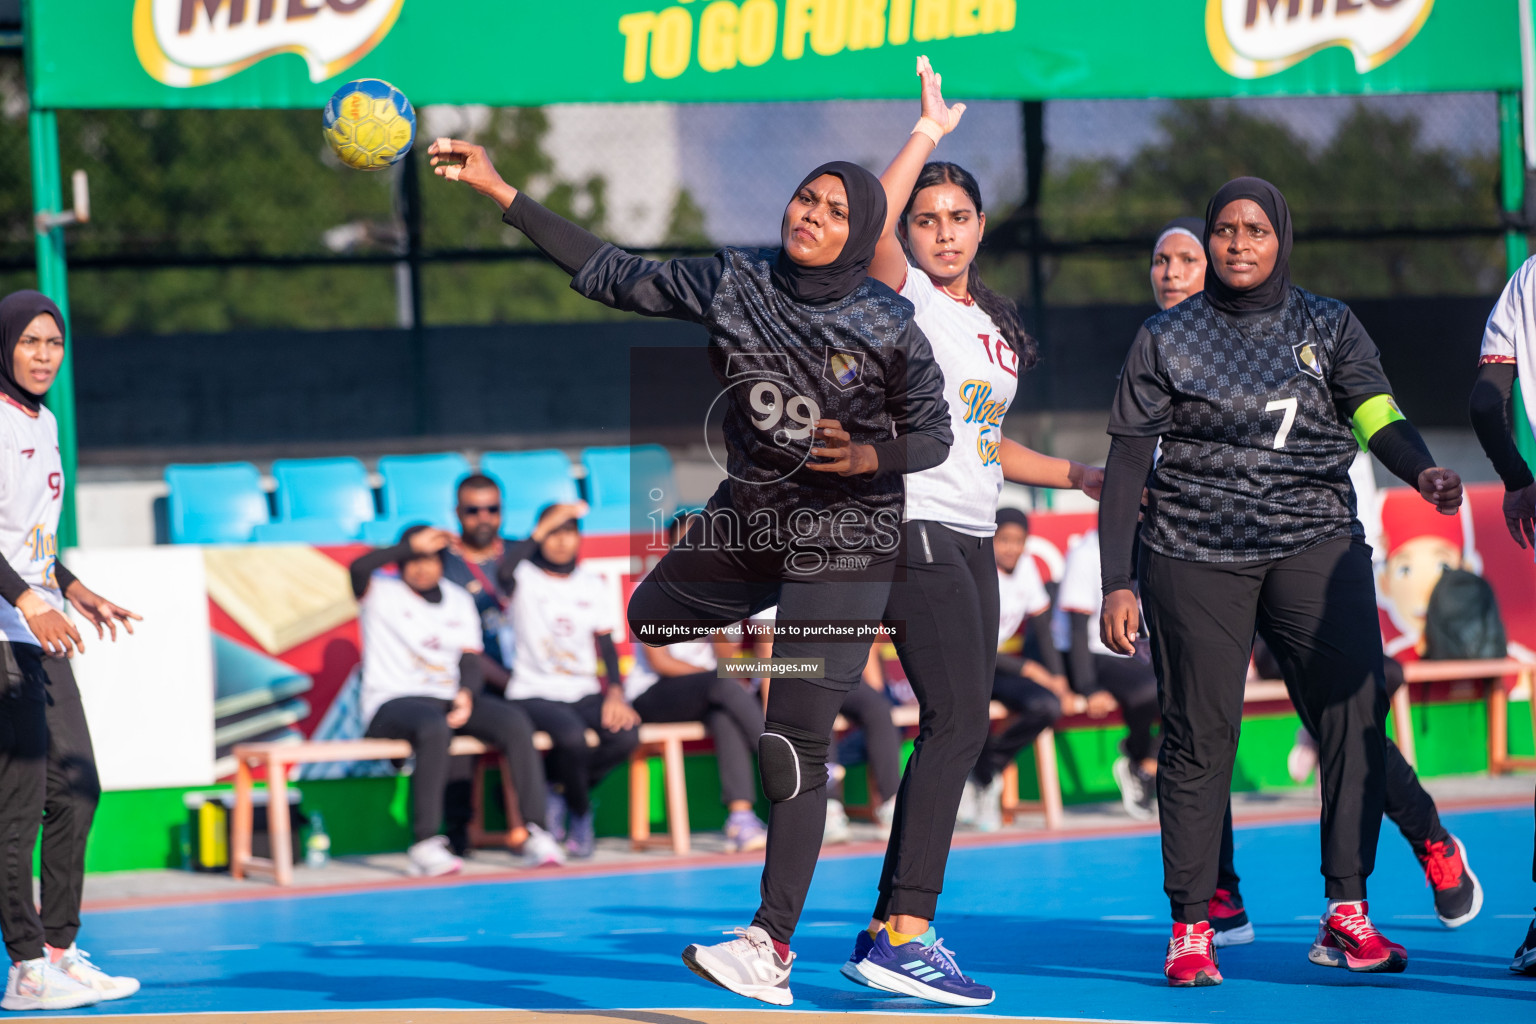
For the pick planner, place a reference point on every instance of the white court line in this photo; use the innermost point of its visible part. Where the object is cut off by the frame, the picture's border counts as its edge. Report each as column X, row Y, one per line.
column 636, row 931
column 229, row 949
column 1510, row 917
column 831, row 924
column 339, row 942
column 1126, row 917
column 1306, row 917
column 538, row 935
column 440, row 938
column 1413, row 917
column 134, row 952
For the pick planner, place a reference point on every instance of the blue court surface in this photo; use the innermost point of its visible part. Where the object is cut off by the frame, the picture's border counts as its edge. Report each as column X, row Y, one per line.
column 1070, row 929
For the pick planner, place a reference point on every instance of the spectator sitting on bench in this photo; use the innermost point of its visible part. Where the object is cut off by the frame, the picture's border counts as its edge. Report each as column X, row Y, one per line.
column 563, row 615
column 1107, row 678
column 1034, row 693
column 420, row 683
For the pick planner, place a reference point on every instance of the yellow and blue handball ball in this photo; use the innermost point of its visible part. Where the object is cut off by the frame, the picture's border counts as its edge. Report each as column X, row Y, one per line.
column 370, row 124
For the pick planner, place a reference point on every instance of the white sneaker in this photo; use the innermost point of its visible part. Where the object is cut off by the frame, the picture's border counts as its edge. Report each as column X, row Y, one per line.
column 989, row 805
column 1301, row 762
column 540, row 849
column 40, row 985
column 1136, row 794
column 747, row 965
column 837, row 824
column 76, row 963
column 433, row 857
column 966, row 815
column 885, row 815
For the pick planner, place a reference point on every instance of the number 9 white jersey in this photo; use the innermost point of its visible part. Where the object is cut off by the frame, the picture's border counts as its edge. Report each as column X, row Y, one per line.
column 31, row 498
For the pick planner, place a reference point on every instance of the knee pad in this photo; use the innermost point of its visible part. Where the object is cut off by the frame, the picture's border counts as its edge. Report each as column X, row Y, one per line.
column 790, row 762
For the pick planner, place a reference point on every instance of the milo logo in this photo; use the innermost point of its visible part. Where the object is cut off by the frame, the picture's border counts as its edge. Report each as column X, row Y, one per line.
column 1255, row 38
column 187, row 43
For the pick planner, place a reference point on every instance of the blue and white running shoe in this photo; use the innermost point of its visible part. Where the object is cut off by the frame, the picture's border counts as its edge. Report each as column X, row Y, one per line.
column 861, row 947
column 925, row 971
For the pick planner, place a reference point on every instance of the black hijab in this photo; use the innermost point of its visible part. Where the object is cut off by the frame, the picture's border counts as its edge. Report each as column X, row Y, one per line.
column 1274, row 290
column 1014, row 516
column 538, row 558
column 1194, row 227
column 866, row 222
column 16, row 311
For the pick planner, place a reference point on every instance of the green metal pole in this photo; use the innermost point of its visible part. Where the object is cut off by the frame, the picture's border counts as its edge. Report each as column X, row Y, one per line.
column 52, row 281
column 1516, row 245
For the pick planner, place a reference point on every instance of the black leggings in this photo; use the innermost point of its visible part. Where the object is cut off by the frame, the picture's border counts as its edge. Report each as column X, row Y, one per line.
column 1317, row 611
column 572, row 765
column 23, row 786
column 1133, row 684
column 423, row 722
column 731, row 713
column 870, row 710
column 945, row 612
column 1408, row 805
column 1034, row 708
column 69, row 804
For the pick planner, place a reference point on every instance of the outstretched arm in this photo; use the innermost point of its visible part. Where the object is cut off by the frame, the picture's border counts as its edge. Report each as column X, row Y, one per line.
column 937, row 120
column 1026, row 466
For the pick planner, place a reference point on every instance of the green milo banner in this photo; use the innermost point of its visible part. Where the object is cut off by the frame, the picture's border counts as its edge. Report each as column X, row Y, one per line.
column 292, row 53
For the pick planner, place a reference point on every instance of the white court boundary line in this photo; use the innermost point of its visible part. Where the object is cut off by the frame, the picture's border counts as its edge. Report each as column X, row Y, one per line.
column 363, row 1015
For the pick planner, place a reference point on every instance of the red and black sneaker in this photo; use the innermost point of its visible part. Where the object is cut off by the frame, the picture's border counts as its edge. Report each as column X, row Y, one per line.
column 1229, row 920
column 1346, row 938
column 1191, row 957
column 1458, row 894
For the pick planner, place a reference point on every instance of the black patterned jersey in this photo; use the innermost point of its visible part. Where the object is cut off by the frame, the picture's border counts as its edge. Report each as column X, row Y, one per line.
column 782, row 365
column 1255, row 449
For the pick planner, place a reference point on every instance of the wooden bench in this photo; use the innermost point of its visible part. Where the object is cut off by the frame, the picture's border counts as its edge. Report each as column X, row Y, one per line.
column 1490, row 674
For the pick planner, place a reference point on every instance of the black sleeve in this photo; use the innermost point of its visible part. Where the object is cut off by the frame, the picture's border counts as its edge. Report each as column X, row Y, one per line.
column 1401, row 448
column 610, row 655
column 472, row 672
column 914, row 398
column 1357, row 374
column 678, row 289
column 12, row 586
column 1010, row 664
column 496, row 677
column 513, row 555
column 1143, row 404
column 366, row 565
column 1085, row 671
column 1125, row 477
column 1490, row 409
column 1050, row 657
column 568, row 245
column 63, row 576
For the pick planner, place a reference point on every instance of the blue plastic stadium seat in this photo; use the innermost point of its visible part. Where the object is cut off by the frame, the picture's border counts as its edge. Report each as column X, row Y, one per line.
column 528, row 481
column 326, row 490
column 384, row 533
column 216, row 503
column 310, row 530
column 613, row 474
column 420, row 488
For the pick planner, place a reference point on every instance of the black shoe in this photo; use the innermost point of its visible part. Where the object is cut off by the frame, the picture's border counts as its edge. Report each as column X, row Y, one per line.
column 1458, row 894
column 1525, row 956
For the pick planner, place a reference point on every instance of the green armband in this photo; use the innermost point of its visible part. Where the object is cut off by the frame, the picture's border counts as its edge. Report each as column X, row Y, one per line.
column 1377, row 412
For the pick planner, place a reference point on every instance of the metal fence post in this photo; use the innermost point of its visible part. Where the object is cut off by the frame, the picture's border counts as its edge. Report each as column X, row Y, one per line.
column 52, row 281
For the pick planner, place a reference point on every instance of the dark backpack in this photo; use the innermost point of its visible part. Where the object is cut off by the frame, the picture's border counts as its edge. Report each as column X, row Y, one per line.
column 1463, row 620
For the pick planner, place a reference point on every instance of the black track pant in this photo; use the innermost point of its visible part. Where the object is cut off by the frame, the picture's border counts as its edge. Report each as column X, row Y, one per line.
column 1034, row 708
column 423, row 722
column 1317, row 612
column 23, row 785
column 731, row 586
column 1408, row 805
column 945, row 612
column 870, row 710
column 573, row 766
column 732, row 714
column 69, row 804
column 1133, row 684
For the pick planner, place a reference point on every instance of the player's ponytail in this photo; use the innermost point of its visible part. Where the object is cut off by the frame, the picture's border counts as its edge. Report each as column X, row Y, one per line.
column 1002, row 311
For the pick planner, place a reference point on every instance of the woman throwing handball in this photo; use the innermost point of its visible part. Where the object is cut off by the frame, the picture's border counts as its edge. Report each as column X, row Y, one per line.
column 831, row 394
column 944, row 605
column 1258, row 391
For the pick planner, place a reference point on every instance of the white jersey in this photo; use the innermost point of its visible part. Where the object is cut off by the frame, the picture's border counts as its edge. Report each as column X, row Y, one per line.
column 1081, row 591
column 981, row 375
column 1021, row 595
column 698, row 653
column 31, row 498
column 411, row 646
column 1511, row 333
column 555, row 618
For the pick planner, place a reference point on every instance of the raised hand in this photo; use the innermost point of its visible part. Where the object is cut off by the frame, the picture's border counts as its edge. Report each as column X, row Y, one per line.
column 934, row 107
column 457, row 160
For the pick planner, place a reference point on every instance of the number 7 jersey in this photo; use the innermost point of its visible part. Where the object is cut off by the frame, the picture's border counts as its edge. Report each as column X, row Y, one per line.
column 31, row 498
column 1255, row 450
